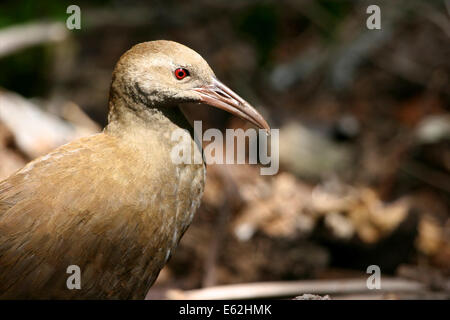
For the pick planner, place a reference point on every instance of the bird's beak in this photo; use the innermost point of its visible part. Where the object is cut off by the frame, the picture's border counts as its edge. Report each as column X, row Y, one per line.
column 220, row 96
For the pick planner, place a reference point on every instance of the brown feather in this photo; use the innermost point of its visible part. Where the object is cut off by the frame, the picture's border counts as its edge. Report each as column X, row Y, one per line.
column 113, row 208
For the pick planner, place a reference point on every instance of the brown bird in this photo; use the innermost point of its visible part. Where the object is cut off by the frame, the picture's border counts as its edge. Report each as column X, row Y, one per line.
column 114, row 204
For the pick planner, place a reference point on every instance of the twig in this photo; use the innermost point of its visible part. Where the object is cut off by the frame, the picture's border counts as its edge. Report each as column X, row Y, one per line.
column 295, row 288
column 15, row 38
column 430, row 176
column 35, row 132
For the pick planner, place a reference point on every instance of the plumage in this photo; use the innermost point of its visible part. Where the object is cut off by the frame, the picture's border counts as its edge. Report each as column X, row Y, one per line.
column 114, row 204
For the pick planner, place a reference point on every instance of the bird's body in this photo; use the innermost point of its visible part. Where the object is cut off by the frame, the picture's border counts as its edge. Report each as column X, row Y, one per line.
column 113, row 204
column 151, row 199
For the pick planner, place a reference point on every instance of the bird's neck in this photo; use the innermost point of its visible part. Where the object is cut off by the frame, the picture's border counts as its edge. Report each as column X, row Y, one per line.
column 127, row 116
column 142, row 128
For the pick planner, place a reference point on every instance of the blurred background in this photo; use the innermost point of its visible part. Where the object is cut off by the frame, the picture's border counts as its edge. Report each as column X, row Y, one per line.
column 364, row 133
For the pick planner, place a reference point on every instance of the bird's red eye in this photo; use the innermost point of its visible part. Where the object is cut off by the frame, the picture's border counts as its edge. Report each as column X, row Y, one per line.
column 181, row 73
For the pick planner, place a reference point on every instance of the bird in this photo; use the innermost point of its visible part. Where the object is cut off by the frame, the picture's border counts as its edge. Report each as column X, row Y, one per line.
column 113, row 204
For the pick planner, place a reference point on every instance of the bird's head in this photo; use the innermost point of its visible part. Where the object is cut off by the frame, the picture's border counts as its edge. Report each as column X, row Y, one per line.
column 165, row 73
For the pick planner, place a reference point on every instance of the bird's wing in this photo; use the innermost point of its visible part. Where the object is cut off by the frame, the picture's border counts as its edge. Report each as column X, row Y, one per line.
column 49, row 218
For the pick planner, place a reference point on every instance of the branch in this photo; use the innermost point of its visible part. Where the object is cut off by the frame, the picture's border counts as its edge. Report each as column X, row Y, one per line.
column 294, row 288
column 18, row 37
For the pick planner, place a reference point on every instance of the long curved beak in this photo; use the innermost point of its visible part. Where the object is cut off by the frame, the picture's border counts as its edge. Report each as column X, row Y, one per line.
column 220, row 96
